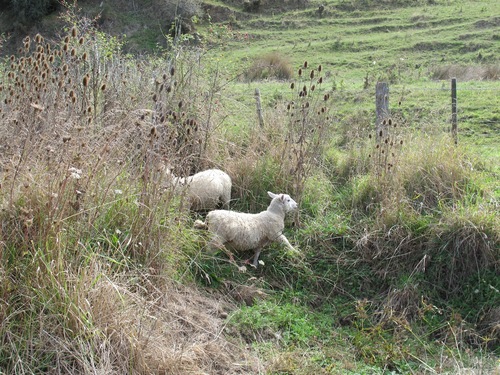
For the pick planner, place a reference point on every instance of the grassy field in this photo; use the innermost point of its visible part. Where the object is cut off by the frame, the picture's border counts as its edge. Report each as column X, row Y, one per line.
column 399, row 236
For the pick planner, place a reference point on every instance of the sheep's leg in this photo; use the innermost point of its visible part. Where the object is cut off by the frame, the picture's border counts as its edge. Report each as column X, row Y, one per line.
column 217, row 244
column 232, row 261
column 256, row 257
column 255, row 261
column 284, row 240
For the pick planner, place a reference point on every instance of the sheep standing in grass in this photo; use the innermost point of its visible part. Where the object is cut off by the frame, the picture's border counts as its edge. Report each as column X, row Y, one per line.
column 239, row 231
column 205, row 190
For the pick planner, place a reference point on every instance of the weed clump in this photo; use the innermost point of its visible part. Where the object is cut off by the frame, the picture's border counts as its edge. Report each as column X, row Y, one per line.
column 270, row 66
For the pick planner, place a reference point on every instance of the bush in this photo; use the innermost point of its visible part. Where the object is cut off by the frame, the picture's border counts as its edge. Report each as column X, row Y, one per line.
column 271, row 65
column 32, row 10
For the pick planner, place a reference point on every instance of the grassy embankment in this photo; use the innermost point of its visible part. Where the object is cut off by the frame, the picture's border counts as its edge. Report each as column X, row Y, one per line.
column 101, row 270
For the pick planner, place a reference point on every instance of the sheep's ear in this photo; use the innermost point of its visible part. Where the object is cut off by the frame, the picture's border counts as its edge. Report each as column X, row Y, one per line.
column 272, row 195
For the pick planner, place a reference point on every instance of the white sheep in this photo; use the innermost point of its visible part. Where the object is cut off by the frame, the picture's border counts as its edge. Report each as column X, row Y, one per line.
column 231, row 230
column 205, row 190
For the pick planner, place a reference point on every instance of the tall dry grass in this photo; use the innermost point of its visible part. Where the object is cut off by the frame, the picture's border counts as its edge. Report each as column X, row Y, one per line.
column 91, row 241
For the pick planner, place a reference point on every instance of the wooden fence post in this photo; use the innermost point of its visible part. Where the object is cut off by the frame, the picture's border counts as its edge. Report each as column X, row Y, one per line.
column 382, row 107
column 259, row 108
column 454, row 127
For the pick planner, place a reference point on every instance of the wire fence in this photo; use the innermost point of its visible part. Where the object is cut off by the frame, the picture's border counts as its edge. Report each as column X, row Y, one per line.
column 476, row 111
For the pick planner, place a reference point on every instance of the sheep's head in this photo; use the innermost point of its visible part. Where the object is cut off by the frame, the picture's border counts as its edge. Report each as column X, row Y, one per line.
column 288, row 203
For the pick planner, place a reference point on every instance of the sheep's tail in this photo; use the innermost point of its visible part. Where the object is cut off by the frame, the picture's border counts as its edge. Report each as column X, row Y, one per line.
column 198, row 224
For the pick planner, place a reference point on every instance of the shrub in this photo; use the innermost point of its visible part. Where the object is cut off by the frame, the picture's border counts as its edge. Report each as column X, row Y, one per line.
column 268, row 66
column 32, row 10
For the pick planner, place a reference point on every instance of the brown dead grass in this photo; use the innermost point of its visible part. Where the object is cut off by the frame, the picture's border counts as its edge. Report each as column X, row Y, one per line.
column 467, row 73
column 173, row 330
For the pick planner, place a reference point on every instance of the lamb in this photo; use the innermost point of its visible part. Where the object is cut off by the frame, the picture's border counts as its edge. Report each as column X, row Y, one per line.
column 243, row 231
column 205, row 190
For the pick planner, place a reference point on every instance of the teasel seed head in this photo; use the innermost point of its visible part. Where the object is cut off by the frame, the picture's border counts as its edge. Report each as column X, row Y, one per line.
column 305, row 64
column 311, row 75
column 85, row 81
column 73, row 52
column 292, row 85
column 81, row 40
column 172, row 71
column 300, row 72
column 180, row 104
column 313, row 87
column 320, row 80
column 103, row 87
column 65, row 47
column 73, row 31
column 154, row 98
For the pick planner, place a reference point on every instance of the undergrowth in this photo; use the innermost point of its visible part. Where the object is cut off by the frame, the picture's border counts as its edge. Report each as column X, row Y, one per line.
column 101, row 270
